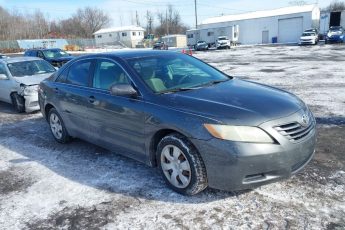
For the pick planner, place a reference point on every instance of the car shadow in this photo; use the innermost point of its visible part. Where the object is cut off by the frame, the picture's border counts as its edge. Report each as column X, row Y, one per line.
column 91, row 165
column 7, row 108
column 330, row 120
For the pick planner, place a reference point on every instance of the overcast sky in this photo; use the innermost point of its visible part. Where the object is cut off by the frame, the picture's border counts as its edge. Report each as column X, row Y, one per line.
column 123, row 12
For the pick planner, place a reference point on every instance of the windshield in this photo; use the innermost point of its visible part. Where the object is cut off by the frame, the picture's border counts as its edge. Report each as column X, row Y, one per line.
column 201, row 42
column 173, row 72
column 28, row 68
column 222, row 38
column 333, row 29
column 55, row 53
column 308, row 34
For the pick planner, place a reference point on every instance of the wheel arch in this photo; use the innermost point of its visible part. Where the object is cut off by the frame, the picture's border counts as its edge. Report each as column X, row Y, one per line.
column 47, row 108
column 154, row 141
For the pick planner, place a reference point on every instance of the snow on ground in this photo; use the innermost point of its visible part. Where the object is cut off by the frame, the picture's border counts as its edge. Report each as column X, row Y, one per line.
column 46, row 185
column 315, row 74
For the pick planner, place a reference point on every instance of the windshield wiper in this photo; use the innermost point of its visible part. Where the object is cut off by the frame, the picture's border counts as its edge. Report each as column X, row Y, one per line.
column 177, row 90
column 213, row 82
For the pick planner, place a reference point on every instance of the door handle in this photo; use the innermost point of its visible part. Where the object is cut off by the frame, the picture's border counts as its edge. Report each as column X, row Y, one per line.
column 92, row 99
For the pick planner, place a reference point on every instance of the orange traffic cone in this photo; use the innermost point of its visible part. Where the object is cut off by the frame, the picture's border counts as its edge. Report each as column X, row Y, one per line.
column 190, row 52
column 183, row 51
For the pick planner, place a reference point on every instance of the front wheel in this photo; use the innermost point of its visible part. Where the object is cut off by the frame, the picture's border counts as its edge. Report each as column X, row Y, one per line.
column 18, row 102
column 181, row 165
column 57, row 127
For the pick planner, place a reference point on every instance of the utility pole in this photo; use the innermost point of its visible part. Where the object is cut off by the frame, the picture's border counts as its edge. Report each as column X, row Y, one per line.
column 167, row 22
column 137, row 18
column 196, row 15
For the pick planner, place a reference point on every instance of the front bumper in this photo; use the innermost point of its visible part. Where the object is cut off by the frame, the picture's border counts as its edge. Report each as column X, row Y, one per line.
column 222, row 45
column 202, row 47
column 334, row 39
column 31, row 103
column 307, row 42
column 237, row 166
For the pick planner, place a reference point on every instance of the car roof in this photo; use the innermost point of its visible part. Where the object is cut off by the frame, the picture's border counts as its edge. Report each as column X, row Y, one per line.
column 19, row 59
column 129, row 54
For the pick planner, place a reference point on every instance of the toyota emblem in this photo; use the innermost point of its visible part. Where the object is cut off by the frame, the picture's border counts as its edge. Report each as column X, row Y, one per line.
column 305, row 120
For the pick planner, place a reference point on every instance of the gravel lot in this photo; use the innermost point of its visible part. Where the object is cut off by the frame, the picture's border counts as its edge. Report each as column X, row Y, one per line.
column 46, row 185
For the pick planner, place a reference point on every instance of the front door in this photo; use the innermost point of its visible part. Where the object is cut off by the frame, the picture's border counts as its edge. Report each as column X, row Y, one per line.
column 265, row 37
column 116, row 122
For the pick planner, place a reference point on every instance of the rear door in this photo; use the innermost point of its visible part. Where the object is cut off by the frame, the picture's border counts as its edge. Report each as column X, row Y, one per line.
column 72, row 89
column 117, row 122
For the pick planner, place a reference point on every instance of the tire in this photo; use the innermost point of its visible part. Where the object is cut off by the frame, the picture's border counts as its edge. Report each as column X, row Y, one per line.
column 18, row 102
column 57, row 127
column 181, row 165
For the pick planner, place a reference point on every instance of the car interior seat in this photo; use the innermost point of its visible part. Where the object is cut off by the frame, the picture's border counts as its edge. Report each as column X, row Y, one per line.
column 155, row 83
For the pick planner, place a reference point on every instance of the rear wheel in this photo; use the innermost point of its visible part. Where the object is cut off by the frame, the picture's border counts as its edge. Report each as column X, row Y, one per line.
column 18, row 102
column 57, row 127
column 181, row 165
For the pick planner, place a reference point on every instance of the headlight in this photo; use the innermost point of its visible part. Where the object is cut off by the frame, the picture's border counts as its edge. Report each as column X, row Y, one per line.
column 239, row 133
column 29, row 90
column 329, row 35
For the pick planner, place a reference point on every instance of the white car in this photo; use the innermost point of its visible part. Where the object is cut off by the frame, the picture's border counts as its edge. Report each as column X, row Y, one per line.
column 309, row 38
column 19, row 80
column 223, row 42
column 3, row 56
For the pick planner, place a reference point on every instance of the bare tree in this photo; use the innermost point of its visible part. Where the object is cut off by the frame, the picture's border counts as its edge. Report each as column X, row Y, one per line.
column 335, row 6
column 149, row 23
column 298, row 3
column 169, row 22
column 91, row 20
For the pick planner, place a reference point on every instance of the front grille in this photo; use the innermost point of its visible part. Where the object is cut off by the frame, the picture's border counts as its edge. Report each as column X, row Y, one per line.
column 294, row 131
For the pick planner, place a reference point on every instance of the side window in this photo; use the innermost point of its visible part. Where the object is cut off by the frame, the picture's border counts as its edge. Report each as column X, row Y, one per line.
column 108, row 73
column 78, row 73
column 3, row 69
column 63, row 76
column 40, row 54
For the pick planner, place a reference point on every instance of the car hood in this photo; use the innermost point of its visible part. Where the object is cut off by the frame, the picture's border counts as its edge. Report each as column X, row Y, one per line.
column 236, row 102
column 61, row 59
column 32, row 79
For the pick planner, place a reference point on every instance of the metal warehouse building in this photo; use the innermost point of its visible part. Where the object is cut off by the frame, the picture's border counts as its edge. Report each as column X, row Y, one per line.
column 282, row 25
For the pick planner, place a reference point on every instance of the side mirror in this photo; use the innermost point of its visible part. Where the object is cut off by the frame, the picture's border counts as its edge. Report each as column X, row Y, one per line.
column 125, row 90
column 3, row 77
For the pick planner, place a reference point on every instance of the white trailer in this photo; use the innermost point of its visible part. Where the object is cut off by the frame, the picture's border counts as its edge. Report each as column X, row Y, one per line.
column 210, row 35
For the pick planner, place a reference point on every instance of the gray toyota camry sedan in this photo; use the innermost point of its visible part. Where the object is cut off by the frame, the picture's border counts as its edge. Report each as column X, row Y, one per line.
column 200, row 126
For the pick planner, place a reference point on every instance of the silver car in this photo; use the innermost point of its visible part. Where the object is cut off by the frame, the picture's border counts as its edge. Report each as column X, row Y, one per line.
column 19, row 79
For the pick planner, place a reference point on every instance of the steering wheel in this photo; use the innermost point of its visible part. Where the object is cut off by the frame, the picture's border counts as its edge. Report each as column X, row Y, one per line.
column 184, row 78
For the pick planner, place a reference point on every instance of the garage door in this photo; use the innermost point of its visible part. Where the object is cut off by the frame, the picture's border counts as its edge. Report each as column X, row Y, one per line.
column 290, row 30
